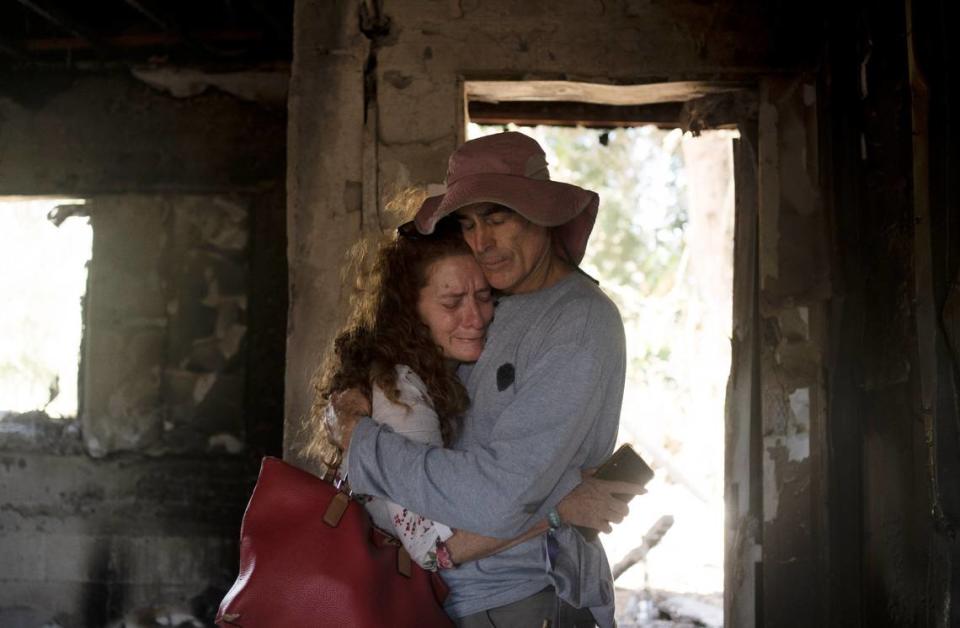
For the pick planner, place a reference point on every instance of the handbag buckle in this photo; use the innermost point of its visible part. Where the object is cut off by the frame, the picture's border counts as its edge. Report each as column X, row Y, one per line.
column 340, row 482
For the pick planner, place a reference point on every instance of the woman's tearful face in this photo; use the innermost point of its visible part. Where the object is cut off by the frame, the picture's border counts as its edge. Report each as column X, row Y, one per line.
column 456, row 305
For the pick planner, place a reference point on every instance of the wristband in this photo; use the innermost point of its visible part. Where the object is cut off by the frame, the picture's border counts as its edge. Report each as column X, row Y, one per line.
column 553, row 519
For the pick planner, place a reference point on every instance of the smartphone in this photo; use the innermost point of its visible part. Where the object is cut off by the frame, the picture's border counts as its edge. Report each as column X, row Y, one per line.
column 625, row 465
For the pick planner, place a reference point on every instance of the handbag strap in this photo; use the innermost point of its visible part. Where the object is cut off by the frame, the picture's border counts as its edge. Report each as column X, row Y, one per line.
column 404, row 561
column 338, row 505
column 335, row 509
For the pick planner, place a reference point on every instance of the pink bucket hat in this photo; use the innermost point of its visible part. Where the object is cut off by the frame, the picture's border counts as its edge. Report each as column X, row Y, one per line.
column 510, row 169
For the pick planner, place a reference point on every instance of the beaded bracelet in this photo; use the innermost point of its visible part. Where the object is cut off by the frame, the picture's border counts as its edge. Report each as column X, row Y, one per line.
column 553, row 519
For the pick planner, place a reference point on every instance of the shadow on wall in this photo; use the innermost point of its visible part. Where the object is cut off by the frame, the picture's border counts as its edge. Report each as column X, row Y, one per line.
column 102, row 598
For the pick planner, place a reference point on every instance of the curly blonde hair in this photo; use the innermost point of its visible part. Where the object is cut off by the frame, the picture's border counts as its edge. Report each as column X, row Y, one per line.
column 383, row 330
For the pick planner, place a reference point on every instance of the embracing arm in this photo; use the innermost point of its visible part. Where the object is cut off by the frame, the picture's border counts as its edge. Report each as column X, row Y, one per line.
column 430, row 543
column 465, row 546
column 592, row 504
column 496, row 490
column 531, row 457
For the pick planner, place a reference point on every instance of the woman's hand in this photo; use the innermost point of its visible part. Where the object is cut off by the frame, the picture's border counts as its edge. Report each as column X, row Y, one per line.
column 592, row 503
column 346, row 409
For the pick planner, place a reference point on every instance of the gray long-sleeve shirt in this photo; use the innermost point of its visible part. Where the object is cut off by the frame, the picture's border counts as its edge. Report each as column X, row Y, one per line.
column 546, row 397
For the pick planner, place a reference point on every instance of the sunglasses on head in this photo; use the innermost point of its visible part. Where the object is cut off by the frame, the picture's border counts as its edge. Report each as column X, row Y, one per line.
column 447, row 226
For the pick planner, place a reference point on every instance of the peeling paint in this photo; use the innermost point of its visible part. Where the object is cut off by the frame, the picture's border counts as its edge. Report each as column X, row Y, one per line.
column 228, row 442
column 263, row 87
column 798, row 446
column 804, row 313
column 798, row 435
column 203, row 385
column 800, row 406
column 771, row 491
column 232, row 340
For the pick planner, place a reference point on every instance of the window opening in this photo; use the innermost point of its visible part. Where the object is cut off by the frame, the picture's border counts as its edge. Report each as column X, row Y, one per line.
column 44, row 256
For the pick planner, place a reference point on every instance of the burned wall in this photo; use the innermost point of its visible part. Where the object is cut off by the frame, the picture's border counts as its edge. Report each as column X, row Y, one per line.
column 75, row 134
column 893, row 381
column 136, row 504
column 377, row 104
column 174, row 271
column 795, row 285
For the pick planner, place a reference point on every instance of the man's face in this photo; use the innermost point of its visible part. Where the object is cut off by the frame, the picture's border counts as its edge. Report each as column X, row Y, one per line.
column 508, row 247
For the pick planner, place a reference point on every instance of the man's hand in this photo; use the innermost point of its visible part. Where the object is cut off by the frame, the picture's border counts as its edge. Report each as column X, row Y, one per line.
column 592, row 503
column 344, row 412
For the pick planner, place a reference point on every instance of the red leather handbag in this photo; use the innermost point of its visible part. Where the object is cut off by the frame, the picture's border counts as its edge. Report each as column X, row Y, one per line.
column 310, row 557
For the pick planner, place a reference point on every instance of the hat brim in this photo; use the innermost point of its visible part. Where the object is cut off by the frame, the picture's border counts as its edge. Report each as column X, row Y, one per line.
column 546, row 203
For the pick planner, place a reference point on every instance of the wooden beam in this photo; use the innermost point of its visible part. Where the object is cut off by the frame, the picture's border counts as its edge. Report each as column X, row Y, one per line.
column 575, row 114
column 169, row 24
column 597, row 93
column 60, row 19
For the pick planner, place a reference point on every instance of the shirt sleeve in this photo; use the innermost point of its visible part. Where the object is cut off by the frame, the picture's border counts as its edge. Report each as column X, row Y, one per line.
column 420, row 536
column 415, row 419
column 501, row 489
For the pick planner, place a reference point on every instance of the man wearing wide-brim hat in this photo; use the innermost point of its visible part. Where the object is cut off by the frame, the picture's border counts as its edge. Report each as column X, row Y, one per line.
column 546, row 396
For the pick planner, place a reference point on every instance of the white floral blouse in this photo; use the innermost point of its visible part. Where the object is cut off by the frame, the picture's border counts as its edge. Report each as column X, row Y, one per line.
column 415, row 419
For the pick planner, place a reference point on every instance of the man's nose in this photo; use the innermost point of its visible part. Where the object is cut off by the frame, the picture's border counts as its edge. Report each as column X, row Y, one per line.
column 482, row 238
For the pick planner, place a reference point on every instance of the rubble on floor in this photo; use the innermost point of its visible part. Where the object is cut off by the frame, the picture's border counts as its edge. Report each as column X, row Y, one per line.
column 668, row 609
